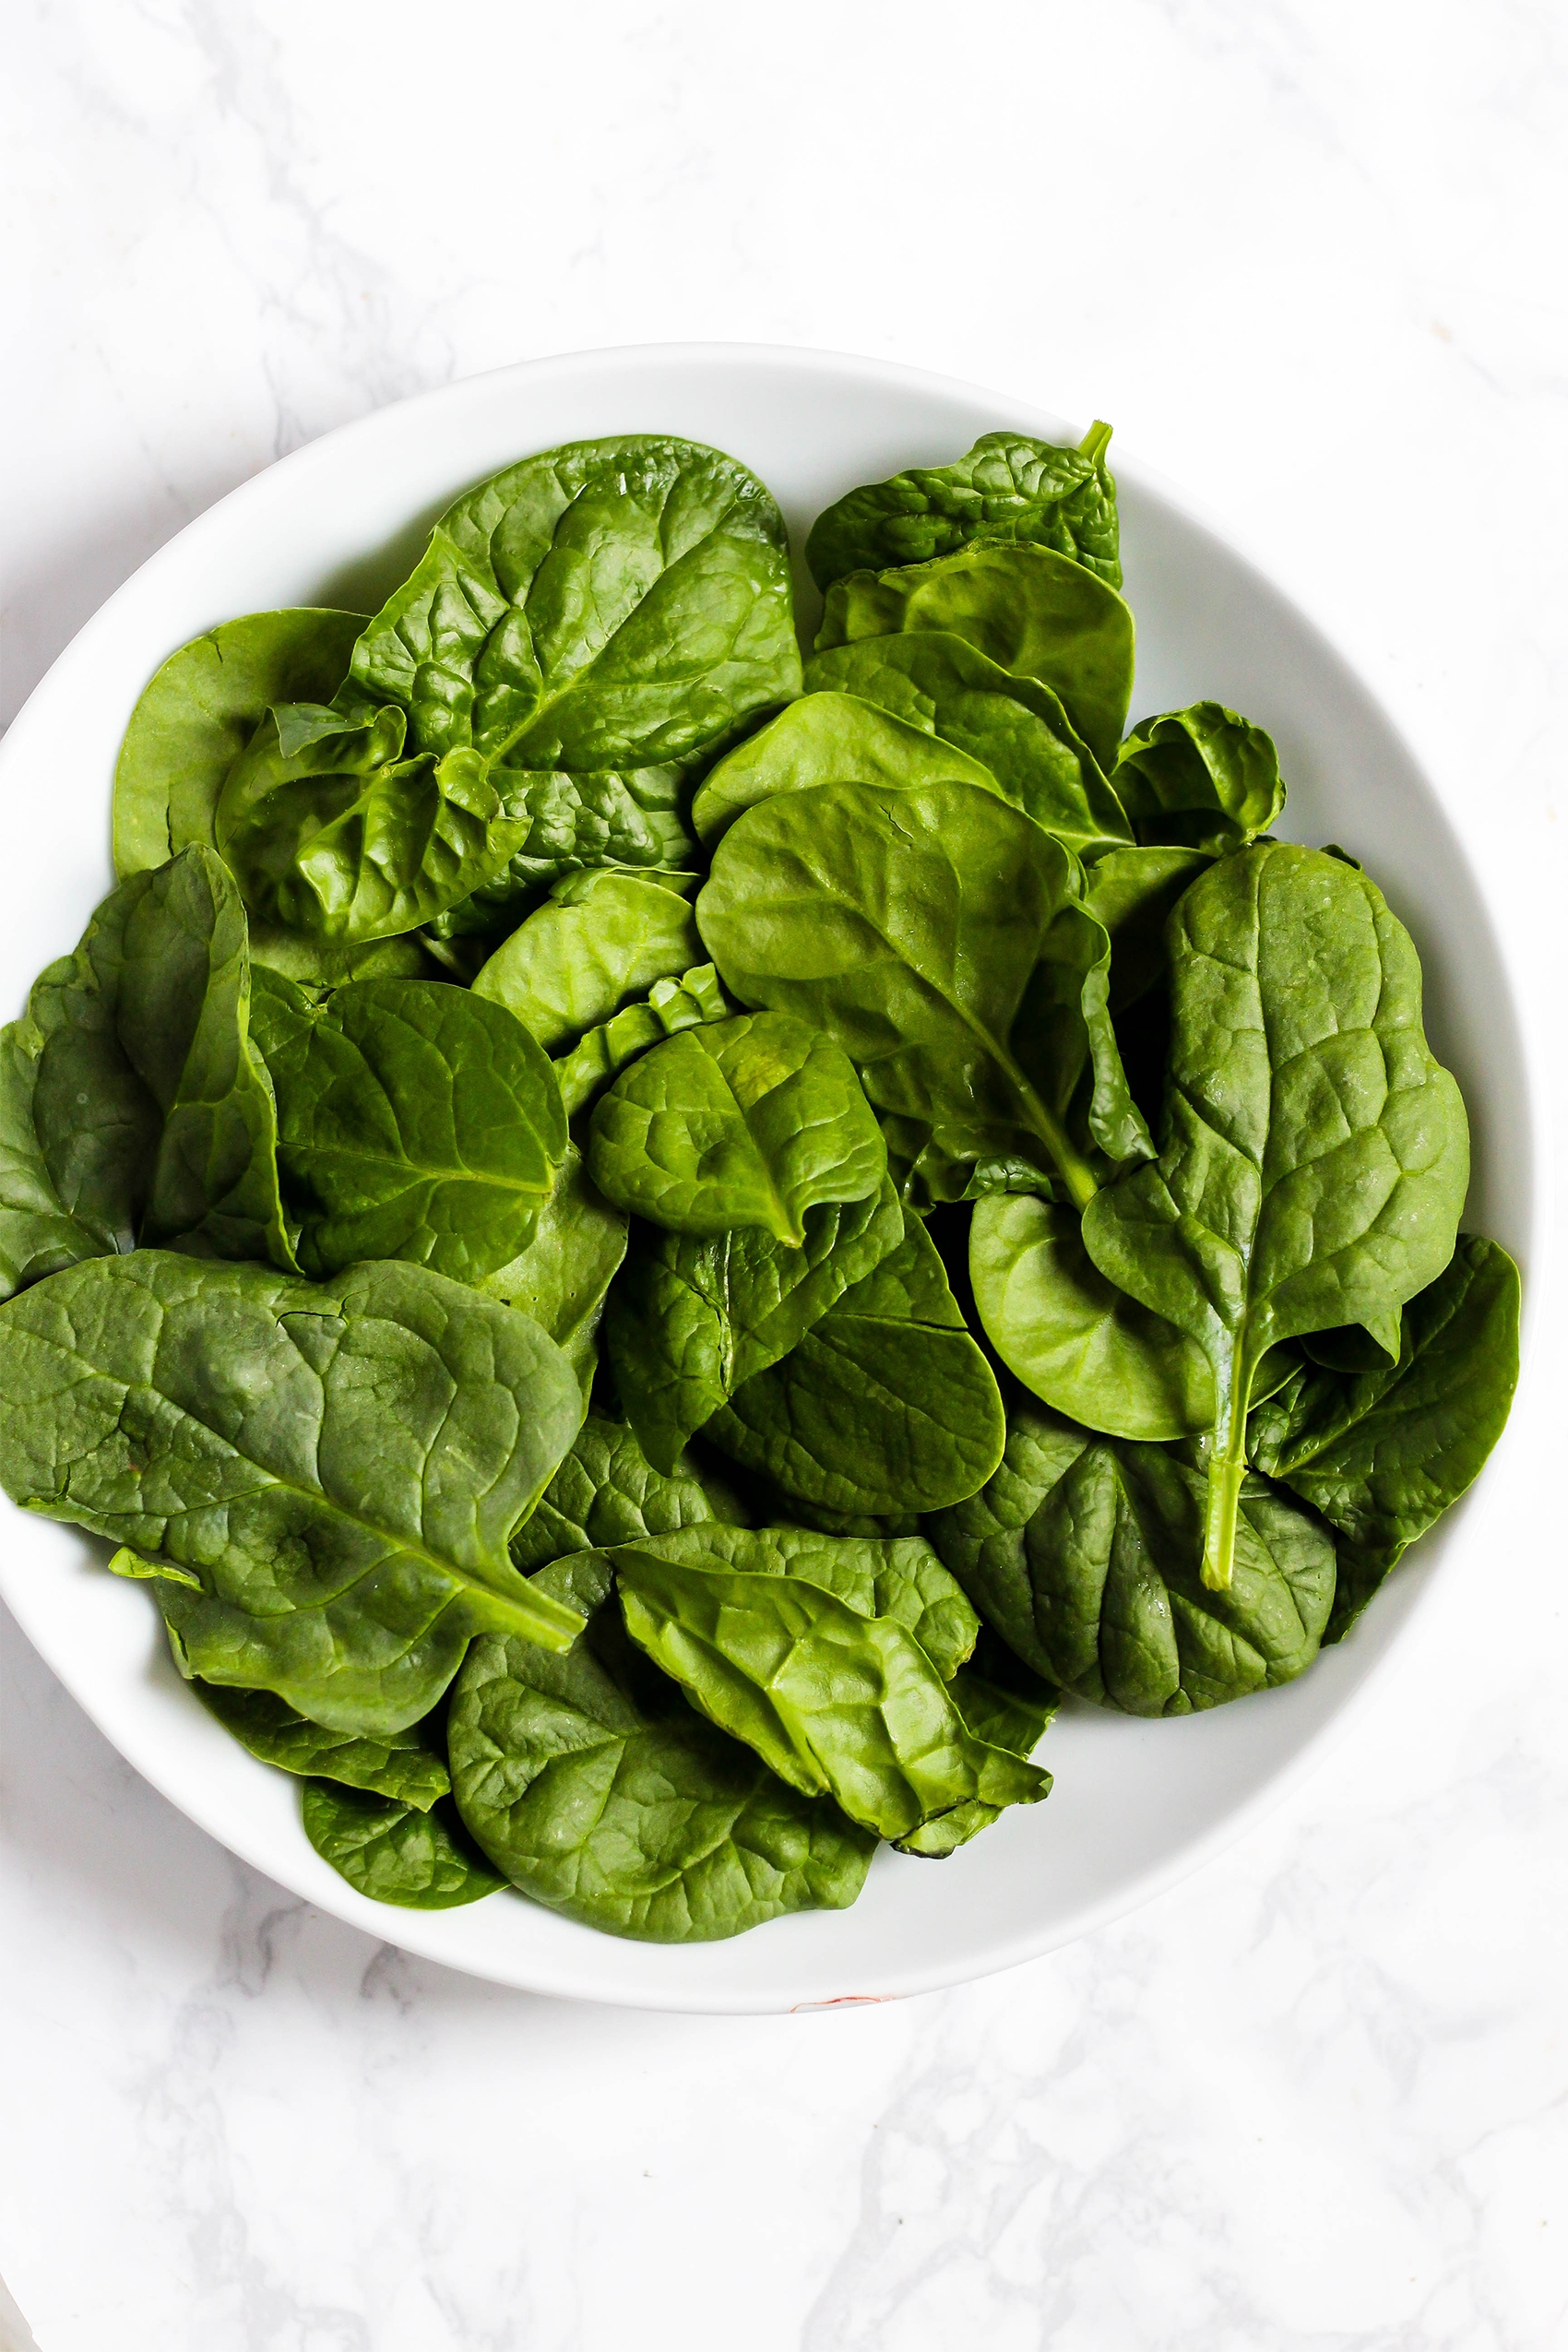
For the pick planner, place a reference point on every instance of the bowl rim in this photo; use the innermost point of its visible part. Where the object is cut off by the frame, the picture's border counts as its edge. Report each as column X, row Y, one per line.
column 1189, row 1853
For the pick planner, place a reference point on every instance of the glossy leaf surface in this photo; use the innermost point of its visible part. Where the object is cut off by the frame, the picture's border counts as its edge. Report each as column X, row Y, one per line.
column 603, row 938
column 396, row 1853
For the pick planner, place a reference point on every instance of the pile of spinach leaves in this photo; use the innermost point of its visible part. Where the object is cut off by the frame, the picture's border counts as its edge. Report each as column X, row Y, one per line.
column 652, row 1252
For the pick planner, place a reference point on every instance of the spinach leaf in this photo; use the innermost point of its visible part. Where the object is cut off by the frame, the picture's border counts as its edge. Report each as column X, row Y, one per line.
column 1204, row 778
column 1382, row 1453
column 898, row 1578
column 562, row 1276
column 607, row 1492
column 609, row 605
column 415, row 1121
column 341, row 1465
column 409, row 1767
column 1070, row 1335
column 589, row 1780
column 1131, row 892
column 907, row 925
column 396, row 1853
column 837, row 1704
column 329, row 832
column 670, row 1006
column 634, row 817
column 601, row 938
column 746, row 1122
column 828, row 737
column 885, row 1404
column 1085, row 1553
column 1315, row 1155
column 1009, row 487
column 37, row 1232
column 1028, row 610
column 150, row 1109
column 198, row 711
column 1015, row 727
column 1002, row 1704
column 691, row 1319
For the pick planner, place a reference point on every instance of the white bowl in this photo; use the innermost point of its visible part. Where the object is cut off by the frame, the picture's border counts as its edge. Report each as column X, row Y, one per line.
column 1136, row 1805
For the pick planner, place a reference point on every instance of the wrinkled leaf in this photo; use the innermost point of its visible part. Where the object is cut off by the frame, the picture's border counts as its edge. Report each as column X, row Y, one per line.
column 395, row 1853
column 607, row 1492
column 1204, row 778
column 1003, row 1703
column 670, row 1006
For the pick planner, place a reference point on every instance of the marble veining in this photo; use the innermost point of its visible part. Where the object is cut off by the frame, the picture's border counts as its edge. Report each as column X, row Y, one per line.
column 1308, row 259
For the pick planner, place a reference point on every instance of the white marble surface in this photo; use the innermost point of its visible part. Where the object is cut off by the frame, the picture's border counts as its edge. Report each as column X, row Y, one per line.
column 1308, row 257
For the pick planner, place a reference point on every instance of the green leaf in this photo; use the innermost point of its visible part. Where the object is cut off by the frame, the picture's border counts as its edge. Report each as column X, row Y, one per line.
column 670, row 1006
column 837, row 1704
column 415, row 1121
column 603, row 937
column 885, row 1404
column 340, row 1464
column 1085, row 1553
column 1071, row 1336
column 1003, row 1703
column 907, row 926
column 562, row 1276
column 150, row 1111
column 607, row 1492
column 747, row 1122
column 828, row 737
column 634, row 817
column 691, row 1319
column 1204, row 778
column 1315, row 1155
column 198, row 711
column 37, row 1233
column 601, row 1793
column 330, row 832
column 394, row 1853
column 1131, row 892
column 409, row 1767
column 1031, row 612
column 1382, row 1453
column 609, row 605
column 1015, row 727
column 1009, row 487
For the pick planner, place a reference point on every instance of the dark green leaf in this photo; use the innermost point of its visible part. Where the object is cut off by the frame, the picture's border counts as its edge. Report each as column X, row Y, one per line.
column 603, row 938
column 560, row 1277
column 607, row 1492
column 1085, row 1556
column 1315, row 1155
column 690, row 1320
column 600, row 1792
column 1010, row 487
column 747, row 1122
column 340, row 1464
column 409, row 1767
column 395, row 1853
column 634, row 817
column 1204, row 778
column 415, row 1121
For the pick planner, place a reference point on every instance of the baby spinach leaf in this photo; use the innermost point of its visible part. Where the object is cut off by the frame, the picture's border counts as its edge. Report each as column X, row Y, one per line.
column 607, row 1492
column 396, row 1853
column 1015, row 727
column 1315, row 1155
column 836, row 1703
column 1028, row 610
column 884, row 1405
column 198, row 712
column 670, row 1006
column 330, row 832
column 609, row 605
column 151, row 1106
column 589, row 1780
column 1070, row 1335
column 906, row 925
column 899, row 1578
column 1382, row 1453
column 562, row 1276
column 1002, row 1704
column 415, row 1121
column 37, row 1233
column 634, row 817
column 1009, row 487
column 691, row 1319
column 746, row 1122
column 340, row 1464
column 1204, row 778
column 1131, row 892
column 828, row 737
column 1086, row 1553
column 409, row 1767
column 601, row 938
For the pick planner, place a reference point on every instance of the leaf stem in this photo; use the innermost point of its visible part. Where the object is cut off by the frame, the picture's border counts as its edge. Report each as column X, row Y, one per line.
column 1227, row 1468
column 1071, row 1166
column 1096, row 440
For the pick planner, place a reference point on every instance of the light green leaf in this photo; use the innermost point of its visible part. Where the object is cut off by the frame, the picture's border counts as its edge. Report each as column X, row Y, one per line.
column 603, row 938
